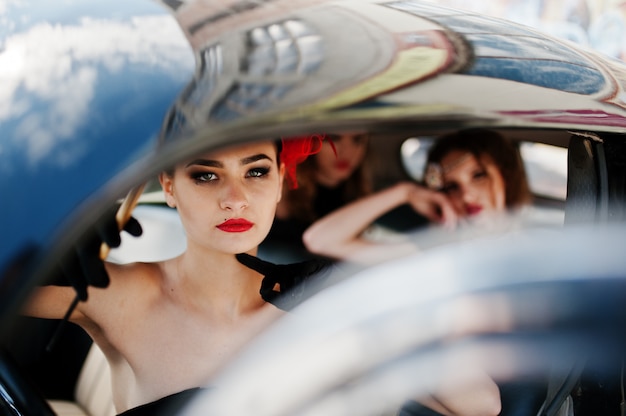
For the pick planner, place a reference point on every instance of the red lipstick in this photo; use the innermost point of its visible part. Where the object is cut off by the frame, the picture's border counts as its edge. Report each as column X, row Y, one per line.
column 473, row 209
column 235, row 225
column 342, row 165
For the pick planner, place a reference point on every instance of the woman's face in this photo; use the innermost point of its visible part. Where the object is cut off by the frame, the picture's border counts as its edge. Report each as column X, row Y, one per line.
column 226, row 199
column 334, row 169
column 474, row 186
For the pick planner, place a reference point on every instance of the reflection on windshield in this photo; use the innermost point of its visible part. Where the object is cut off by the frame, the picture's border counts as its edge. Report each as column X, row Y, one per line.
column 67, row 69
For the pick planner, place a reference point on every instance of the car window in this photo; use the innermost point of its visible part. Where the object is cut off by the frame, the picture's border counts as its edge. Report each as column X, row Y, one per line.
column 546, row 167
column 414, row 152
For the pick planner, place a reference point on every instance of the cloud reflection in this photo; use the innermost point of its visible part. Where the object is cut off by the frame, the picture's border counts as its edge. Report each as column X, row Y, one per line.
column 57, row 67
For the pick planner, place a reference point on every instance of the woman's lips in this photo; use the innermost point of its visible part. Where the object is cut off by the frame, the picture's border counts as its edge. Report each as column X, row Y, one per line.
column 473, row 209
column 235, row 225
column 342, row 165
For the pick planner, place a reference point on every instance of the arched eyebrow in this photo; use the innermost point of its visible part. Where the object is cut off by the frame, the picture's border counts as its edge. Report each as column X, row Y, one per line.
column 217, row 164
column 255, row 158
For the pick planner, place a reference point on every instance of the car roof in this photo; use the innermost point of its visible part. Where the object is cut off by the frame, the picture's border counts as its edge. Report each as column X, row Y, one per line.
column 415, row 61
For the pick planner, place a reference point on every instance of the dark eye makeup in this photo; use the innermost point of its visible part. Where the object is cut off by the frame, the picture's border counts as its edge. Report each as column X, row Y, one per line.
column 258, row 172
column 479, row 174
column 360, row 139
column 448, row 188
column 204, row 176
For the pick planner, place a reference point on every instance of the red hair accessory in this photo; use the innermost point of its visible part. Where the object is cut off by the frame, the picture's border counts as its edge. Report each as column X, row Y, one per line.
column 296, row 150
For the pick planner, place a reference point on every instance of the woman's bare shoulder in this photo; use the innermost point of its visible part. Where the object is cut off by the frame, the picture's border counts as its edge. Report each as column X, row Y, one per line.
column 133, row 291
column 132, row 285
column 131, row 275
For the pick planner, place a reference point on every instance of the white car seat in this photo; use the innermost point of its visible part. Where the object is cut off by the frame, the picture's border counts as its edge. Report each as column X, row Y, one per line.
column 93, row 393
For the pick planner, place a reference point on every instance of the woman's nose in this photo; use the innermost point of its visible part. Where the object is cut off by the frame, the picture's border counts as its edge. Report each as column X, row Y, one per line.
column 467, row 194
column 233, row 197
column 345, row 153
column 350, row 147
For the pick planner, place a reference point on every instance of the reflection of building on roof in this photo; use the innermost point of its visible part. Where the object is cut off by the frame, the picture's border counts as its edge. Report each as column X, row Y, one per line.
column 272, row 59
column 502, row 52
column 600, row 25
column 294, row 60
column 305, row 59
column 273, row 62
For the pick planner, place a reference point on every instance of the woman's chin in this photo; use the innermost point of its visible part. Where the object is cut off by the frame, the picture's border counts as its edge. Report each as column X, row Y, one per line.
column 480, row 218
column 239, row 247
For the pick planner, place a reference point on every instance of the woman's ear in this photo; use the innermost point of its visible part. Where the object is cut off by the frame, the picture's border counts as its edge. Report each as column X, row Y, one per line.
column 167, row 184
column 281, row 177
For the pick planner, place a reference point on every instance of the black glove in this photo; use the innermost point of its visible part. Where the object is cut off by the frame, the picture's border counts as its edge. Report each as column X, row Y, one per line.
column 82, row 267
column 287, row 285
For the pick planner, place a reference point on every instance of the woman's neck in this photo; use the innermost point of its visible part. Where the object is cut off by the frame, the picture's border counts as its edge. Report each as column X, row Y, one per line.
column 216, row 279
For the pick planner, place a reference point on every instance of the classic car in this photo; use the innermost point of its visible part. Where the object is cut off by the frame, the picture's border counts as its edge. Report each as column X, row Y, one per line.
column 98, row 99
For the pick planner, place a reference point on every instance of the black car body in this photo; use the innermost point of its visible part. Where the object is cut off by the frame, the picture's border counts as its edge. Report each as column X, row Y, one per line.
column 99, row 99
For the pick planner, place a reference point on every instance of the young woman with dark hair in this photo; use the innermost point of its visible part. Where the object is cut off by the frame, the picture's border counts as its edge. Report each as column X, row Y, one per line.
column 470, row 176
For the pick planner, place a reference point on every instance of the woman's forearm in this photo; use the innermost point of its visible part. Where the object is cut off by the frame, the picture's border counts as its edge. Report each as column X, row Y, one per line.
column 337, row 234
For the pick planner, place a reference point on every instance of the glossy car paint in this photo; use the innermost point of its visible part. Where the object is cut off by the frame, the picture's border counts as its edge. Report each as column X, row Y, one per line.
column 84, row 92
column 414, row 59
column 89, row 88
column 92, row 109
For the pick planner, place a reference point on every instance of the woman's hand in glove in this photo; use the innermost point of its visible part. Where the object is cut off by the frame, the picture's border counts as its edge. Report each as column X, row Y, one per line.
column 287, row 285
column 83, row 266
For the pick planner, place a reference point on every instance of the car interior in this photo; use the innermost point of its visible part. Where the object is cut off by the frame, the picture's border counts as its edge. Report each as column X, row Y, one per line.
column 570, row 173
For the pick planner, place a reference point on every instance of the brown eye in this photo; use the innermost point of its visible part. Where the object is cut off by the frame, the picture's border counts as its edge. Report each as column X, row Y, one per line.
column 360, row 139
column 449, row 188
column 480, row 174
